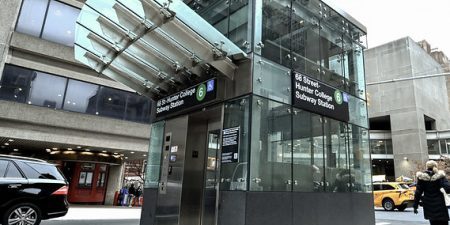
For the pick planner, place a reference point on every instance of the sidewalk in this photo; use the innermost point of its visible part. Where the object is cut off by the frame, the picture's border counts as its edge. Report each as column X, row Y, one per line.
column 81, row 212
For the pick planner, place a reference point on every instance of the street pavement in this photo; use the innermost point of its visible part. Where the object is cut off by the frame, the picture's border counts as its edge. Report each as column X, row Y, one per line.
column 105, row 215
column 399, row 218
column 98, row 215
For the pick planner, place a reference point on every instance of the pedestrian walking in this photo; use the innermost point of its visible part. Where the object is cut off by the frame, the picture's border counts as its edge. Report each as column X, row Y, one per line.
column 428, row 190
column 132, row 194
column 123, row 196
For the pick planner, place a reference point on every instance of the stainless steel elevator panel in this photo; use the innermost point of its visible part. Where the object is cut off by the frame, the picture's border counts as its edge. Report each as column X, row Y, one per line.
column 197, row 207
column 188, row 187
column 172, row 169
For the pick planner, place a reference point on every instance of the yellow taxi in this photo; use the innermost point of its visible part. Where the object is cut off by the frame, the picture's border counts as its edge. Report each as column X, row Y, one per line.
column 392, row 195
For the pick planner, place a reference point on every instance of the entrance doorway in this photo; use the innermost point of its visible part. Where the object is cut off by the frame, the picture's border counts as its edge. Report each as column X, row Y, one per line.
column 189, row 181
column 212, row 176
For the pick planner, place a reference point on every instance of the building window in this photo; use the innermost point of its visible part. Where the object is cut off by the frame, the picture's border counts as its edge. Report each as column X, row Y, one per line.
column 47, row 90
column 41, row 89
column 86, row 175
column 79, row 95
column 101, row 181
column 381, row 146
column 433, row 147
column 31, row 17
column 49, row 20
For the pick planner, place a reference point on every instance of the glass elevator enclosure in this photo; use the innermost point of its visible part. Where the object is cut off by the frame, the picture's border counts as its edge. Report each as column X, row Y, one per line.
column 260, row 113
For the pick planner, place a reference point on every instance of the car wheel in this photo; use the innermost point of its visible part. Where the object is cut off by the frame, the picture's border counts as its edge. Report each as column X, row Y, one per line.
column 401, row 208
column 22, row 214
column 388, row 204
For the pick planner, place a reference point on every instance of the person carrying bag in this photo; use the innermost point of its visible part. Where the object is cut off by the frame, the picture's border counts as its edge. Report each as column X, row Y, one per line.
column 428, row 190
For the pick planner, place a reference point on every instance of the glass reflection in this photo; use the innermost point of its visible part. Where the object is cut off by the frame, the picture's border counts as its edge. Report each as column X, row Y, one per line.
column 108, row 102
column 32, row 17
column 275, row 32
column 234, row 175
column 271, row 153
column 47, row 90
column 307, row 150
column 78, row 96
column 15, row 83
column 360, row 163
column 337, row 173
column 138, row 108
column 42, row 89
column 60, row 23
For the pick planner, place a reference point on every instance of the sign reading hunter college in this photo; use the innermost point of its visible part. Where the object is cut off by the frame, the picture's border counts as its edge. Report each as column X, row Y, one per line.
column 317, row 97
column 189, row 97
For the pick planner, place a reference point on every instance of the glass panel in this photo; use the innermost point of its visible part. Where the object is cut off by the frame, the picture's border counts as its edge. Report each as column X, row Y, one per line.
column 331, row 49
column 138, row 108
column 354, row 66
column 102, row 168
column 377, row 146
column 3, row 165
column 154, row 155
column 237, row 114
column 447, row 141
column 15, row 84
column 13, row 172
column 239, row 28
column 358, row 111
column 211, row 178
column 389, row 149
column 271, row 153
column 443, row 146
column 110, row 102
column 275, row 32
column 32, row 17
column 360, row 163
column 215, row 12
column 30, row 173
column 305, row 38
column 271, row 80
column 60, row 23
column 47, row 90
column 337, row 174
column 433, row 147
column 80, row 96
column 82, row 179
column 47, row 171
column 101, row 180
column 89, row 176
column 308, row 167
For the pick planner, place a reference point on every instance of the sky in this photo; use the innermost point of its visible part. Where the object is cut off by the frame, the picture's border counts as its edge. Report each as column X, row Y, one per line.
column 389, row 20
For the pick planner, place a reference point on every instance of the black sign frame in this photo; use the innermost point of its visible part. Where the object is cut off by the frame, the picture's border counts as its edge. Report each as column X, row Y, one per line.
column 315, row 96
column 190, row 97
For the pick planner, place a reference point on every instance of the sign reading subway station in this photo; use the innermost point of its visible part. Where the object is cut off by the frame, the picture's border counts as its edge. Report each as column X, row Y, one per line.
column 186, row 98
column 314, row 96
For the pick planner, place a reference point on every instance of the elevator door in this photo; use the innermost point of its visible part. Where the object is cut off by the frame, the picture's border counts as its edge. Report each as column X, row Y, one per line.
column 211, row 180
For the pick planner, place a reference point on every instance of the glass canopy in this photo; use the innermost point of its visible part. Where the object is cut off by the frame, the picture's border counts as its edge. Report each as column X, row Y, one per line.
column 155, row 47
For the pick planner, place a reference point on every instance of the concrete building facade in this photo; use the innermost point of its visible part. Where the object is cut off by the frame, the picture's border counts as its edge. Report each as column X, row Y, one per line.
column 403, row 107
column 55, row 108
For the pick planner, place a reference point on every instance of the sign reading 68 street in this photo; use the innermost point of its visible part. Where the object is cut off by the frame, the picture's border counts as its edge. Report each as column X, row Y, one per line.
column 314, row 96
column 186, row 98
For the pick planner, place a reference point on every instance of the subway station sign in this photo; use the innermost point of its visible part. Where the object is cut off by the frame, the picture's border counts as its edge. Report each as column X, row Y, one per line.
column 314, row 96
column 187, row 98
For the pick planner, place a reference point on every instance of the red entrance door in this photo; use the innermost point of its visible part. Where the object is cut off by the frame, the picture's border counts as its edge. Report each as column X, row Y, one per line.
column 88, row 183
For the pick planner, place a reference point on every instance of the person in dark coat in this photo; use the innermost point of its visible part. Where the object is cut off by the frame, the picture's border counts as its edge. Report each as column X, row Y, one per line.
column 428, row 188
